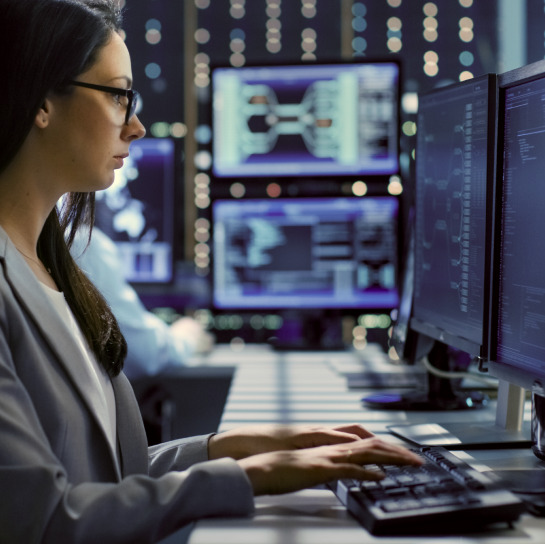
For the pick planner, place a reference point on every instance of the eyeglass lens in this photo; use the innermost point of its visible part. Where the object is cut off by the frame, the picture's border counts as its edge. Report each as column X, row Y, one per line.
column 133, row 103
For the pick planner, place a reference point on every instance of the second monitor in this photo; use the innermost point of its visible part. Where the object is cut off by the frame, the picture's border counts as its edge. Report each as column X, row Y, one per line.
column 453, row 232
column 305, row 253
column 455, row 180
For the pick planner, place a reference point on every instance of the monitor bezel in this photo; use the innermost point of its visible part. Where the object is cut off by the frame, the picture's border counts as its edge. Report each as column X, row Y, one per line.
column 409, row 345
column 519, row 376
column 479, row 350
column 287, row 178
column 302, row 309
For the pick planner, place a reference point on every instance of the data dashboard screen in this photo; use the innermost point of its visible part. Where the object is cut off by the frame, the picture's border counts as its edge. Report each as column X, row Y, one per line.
column 521, row 296
column 137, row 211
column 454, row 174
column 306, row 120
column 335, row 252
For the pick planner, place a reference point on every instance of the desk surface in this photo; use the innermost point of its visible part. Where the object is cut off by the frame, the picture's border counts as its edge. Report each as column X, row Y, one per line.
column 302, row 387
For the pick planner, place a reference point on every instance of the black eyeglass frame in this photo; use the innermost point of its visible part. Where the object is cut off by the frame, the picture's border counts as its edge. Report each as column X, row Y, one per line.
column 131, row 94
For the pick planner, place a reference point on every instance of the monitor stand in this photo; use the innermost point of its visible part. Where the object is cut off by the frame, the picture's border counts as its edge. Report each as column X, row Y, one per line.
column 440, row 393
column 508, row 429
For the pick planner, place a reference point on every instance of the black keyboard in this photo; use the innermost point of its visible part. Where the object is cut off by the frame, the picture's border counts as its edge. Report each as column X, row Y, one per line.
column 443, row 496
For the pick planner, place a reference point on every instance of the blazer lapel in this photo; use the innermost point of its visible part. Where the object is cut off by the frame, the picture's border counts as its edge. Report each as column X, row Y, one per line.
column 133, row 445
column 55, row 332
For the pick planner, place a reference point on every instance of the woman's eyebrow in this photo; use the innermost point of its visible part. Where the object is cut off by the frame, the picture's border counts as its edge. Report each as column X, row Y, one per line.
column 127, row 79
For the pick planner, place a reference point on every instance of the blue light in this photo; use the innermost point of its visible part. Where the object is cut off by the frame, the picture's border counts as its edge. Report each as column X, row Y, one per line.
column 359, row 24
column 359, row 9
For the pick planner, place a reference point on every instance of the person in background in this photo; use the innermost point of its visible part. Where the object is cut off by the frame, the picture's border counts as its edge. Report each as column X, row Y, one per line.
column 74, row 462
column 153, row 346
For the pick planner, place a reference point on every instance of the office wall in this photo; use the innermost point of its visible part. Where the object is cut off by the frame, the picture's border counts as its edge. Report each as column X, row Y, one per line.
column 174, row 43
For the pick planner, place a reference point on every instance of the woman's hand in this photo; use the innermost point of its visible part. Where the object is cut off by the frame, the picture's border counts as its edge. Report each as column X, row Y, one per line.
column 256, row 439
column 287, row 471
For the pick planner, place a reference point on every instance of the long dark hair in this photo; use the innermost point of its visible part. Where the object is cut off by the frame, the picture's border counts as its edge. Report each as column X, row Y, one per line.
column 47, row 43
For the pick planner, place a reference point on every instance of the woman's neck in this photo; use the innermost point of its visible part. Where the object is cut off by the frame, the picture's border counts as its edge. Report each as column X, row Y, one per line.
column 24, row 208
column 23, row 213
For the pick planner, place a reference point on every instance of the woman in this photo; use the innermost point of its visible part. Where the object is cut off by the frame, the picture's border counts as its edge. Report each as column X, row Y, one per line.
column 74, row 463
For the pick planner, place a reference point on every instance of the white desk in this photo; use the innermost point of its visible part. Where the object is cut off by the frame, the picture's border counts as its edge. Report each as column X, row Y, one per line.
column 304, row 388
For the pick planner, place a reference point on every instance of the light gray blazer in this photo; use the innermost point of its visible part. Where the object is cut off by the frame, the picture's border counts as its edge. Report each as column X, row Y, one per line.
column 59, row 481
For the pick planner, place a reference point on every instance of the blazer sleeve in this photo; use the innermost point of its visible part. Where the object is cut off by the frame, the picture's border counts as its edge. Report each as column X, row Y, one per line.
column 40, row 502
column 177, row 454
column 142, row 509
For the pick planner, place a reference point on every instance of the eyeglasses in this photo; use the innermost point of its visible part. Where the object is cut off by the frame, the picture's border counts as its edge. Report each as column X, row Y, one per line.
column 131, row 95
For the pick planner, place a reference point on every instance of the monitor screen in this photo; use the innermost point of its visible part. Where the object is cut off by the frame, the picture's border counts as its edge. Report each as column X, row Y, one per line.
column 306, row 120
column 335, row 252
column 137, row 211
column 519, row 292
column 453, row 213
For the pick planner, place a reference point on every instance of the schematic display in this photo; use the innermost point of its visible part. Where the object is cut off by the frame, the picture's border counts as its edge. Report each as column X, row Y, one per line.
column 305, row 120
column 451, row 214
column 338, row 252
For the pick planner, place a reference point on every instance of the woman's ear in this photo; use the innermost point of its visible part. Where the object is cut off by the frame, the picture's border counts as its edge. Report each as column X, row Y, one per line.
column 42, row 117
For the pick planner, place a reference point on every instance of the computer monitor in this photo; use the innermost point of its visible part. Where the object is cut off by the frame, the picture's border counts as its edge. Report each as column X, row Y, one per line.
column 455, row 181
column 518, row 312
column 305, row 253
column 333, row 119
column 137, row 211
column 516, row 349
column 454, row 233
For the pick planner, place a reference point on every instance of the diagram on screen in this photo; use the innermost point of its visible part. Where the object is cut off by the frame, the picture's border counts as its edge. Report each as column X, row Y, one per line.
column 285, row 121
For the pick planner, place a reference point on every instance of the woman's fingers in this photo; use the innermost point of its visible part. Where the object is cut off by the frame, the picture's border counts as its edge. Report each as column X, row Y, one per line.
column 290, row 470
column 375, row 450
column 309, row 437
column 354, row 429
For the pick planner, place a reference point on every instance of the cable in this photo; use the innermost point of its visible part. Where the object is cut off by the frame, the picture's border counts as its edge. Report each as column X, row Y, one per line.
column 490, row 382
